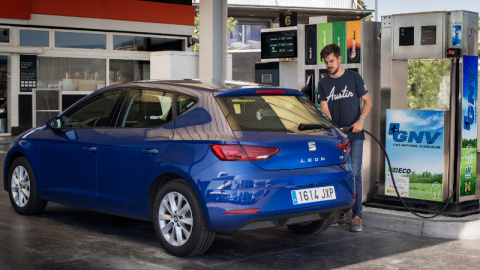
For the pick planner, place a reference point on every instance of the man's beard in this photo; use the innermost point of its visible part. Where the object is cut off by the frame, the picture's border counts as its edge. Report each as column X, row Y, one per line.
column 334, row 71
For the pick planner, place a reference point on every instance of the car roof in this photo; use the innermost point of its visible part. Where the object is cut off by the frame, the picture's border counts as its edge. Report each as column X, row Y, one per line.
column 191, row 86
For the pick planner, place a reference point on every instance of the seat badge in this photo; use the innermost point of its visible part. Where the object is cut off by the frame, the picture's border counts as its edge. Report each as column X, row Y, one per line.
column 312, row 146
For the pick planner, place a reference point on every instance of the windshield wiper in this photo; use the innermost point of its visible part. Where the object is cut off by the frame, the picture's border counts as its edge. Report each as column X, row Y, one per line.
column 303, row 126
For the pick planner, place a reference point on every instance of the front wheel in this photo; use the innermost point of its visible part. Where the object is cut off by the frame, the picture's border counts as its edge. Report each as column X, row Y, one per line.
column 179, row 220
column 23, row 189
column 313, row 227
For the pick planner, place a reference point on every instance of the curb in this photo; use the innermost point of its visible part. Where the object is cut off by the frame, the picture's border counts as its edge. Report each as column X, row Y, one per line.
column 439, row 227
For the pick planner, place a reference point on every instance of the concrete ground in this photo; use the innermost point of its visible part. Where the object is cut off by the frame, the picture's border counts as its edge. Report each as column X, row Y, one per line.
column 71, row 238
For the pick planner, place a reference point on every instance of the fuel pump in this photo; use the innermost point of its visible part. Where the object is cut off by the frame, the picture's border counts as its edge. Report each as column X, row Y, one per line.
column 430, row 135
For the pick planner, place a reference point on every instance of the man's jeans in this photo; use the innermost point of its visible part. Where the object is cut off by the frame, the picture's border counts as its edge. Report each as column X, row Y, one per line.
column 356, row 154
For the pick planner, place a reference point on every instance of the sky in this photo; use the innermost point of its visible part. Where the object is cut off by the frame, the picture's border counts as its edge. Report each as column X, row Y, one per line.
column 389, row 7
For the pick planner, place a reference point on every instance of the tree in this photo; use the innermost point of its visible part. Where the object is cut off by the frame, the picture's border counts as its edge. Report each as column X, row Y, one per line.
column 362, row 5
column 424, row 79
column 231, row 22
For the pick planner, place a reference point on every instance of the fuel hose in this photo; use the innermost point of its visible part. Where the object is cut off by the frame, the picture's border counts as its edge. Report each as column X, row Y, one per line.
column 393, row 180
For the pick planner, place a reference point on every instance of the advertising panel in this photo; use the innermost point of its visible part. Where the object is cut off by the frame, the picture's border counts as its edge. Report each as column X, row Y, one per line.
column 468, row 167
column 456, row 35
column 324, row 38
column 311, row 44
column 339, row 36
column 353, row 41
column 414, row 143
column 28, row 72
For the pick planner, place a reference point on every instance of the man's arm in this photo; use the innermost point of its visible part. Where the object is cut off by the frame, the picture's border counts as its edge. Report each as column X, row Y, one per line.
column 367, row 106
column 325, row 109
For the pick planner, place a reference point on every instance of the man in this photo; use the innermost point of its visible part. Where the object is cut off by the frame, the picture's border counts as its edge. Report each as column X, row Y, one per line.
column 339, row 95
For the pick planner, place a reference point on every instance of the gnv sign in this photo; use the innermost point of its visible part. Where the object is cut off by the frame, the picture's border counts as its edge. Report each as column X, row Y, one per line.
column 404, row 136
column 414, row 141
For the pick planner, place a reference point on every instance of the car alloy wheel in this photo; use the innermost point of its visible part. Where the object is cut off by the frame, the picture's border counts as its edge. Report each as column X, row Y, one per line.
column 179, row 221
column 23, row 188
column 175, row 218
column 20, row 186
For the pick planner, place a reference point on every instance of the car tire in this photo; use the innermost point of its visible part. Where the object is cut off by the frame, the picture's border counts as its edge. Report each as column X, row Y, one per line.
column 313, row 227
column 22, row 188
column 182, row 233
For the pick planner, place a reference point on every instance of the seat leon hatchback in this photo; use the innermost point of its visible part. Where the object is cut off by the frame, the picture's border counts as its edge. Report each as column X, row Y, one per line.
column 192, row 159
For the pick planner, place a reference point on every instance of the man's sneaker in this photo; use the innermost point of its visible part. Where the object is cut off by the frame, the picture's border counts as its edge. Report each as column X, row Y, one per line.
column 340, row 221
column 356, row 224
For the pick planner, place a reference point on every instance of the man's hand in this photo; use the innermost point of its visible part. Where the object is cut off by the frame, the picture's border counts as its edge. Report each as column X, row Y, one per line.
column 357, row 126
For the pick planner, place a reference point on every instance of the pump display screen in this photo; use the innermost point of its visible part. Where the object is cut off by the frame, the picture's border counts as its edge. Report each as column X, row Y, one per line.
column 282, row 44
column 429, row 35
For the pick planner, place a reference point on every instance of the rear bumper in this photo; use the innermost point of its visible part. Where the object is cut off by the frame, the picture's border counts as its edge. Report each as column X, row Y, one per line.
column 271, row 193
column 285, row 220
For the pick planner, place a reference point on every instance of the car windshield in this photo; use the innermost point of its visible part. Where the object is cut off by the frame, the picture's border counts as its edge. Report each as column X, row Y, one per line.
column 292, row 114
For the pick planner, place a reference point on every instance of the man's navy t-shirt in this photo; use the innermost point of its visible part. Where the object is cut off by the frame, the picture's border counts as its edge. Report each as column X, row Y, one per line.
column 342, row 96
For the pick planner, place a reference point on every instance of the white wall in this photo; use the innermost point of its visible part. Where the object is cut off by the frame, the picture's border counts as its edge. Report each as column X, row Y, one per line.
column 175, row 65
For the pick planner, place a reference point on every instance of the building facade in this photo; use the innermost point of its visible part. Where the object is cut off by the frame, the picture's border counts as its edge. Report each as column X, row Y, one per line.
column 79, row 47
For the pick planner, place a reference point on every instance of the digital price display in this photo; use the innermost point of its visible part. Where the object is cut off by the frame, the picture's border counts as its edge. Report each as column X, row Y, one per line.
column 429, row 35
column 281, row 44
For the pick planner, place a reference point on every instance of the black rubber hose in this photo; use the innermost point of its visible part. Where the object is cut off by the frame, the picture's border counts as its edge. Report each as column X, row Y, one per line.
column 395, row 186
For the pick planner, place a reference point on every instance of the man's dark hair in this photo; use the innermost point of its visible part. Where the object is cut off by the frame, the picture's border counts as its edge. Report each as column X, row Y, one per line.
column 330, row 48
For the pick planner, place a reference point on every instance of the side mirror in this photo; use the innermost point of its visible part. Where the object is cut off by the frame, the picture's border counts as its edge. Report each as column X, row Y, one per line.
column 54, row 123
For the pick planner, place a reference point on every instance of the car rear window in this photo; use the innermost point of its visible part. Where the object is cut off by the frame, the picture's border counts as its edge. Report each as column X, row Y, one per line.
column 273, row 114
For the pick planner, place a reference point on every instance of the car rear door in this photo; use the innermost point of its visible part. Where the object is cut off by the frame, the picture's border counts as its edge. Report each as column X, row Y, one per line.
column 130, row 149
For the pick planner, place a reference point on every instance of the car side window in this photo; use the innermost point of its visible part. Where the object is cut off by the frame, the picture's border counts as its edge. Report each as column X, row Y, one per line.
column 93, row 112
column 184, row 103
column 147, row 108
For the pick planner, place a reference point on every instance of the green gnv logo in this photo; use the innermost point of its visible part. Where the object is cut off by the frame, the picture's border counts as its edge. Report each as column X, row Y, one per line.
column 412, row 136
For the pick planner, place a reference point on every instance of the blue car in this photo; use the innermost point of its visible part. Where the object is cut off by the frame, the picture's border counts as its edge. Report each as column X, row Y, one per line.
column 192, row 159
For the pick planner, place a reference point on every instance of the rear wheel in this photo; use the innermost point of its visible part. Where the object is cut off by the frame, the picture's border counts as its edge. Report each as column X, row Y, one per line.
column 23, row 189
column 313, row 227
column 179, row 220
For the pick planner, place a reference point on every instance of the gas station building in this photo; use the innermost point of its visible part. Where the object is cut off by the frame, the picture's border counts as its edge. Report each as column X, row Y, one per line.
column 79, row 47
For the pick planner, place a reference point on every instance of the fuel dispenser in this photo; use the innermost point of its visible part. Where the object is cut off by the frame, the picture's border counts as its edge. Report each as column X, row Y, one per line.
column 290, row 58
column 429, row 89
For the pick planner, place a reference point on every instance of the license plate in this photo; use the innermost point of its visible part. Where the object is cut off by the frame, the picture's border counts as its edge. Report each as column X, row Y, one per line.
column 310, row 195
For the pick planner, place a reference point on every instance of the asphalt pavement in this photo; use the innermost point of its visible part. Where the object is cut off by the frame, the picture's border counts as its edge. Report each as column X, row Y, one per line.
column 71, row 238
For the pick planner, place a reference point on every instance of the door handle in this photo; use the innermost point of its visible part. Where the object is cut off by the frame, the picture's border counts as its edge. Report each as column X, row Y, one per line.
column 90, row 149
column 150, row 151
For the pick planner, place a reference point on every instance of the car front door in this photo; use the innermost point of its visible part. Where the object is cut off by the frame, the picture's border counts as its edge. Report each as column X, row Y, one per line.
column 68, row 156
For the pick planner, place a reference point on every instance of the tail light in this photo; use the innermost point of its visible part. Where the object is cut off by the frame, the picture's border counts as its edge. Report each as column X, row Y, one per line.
column 269, row 92
column 344, row 146
column 235, row 152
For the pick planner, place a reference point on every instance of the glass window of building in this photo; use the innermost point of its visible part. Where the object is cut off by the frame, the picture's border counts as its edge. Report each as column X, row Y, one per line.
column 71, row 74
column 245, row 37
column 149, row 44
column 128, row 70
column 4, row 86
column 4, row 35
column 80, row 40
column 34, row 38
